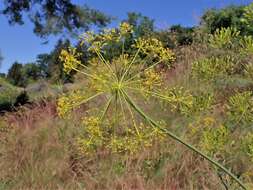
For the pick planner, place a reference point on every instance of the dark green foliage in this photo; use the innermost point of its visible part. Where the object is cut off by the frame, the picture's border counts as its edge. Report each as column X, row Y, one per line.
column 8, row 94
column 21, row 75
column 32, row 71
column 15, row 75
column 11, row 104
column 22, row 99
column 142, row 25
column 84, row 57
column 2, row 75
column 166, row 38
column 55, row 66
column 183, row 35
column 11, row 96
column 43, row 61
column 228, row 17
column 176, row 35
column 53, row 16
column 51, row 66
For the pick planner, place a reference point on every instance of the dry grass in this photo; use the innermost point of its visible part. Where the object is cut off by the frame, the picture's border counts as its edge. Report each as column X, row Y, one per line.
column 38, row 152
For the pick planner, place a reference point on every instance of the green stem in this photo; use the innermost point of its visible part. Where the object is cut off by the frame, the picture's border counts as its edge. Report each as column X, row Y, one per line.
column 106, row 108
column 131, row 113
column 143, row 71
column 105, row 62
column 88, row 75
column 88, row 99
column 173, row 136
column 129, row 67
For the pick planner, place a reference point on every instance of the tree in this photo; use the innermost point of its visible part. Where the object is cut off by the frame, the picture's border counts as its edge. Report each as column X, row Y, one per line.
column 51, row 67
column 32, row 71
column 142, row 25
column 166, row 38
column 83, row 49
column 228, row 17
column 183, row 35
column 53, row 16
column 15, row 75
column 176, row 35
column 50, row 64
column 43, row 61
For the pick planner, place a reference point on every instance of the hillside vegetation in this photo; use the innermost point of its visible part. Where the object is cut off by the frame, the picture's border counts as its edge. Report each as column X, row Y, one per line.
column 140, row 109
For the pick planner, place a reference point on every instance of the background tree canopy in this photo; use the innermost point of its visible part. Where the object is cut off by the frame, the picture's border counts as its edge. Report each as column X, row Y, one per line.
column 51, row 66
column 15, row 74
column 142, row 25
column 231, row 16
column 53, row 16
column 56, row 17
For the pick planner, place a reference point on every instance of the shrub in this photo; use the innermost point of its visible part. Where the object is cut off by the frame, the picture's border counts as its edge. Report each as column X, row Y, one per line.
column 202, row 102
column 214, row 139
column 248, row 71
column 22, row 99
column 246, row 43
column 248, row 145
column 224, row 38
column 240, row 109
column 16, row 75
column 230, row 16
column 248, row 16
column 8, row 95
column 183, row 35
column 210, row 69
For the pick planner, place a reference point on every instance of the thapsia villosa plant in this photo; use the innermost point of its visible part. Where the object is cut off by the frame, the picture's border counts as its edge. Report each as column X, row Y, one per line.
column 117, row 85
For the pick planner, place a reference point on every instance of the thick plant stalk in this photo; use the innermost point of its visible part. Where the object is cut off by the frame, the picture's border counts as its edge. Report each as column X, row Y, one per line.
column 173, row 136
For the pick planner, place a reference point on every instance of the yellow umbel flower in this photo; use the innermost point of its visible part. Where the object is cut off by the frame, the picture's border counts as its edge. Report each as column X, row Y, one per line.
column 153, row 47
column 70, row 59
column 68, row 102
column 110, row 79
column 214, row 139
column 121, row 83
column 125, row 29
column 152, row 79
column 92, row 136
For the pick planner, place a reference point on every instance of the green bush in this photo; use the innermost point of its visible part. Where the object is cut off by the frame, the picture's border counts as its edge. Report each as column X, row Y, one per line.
column 224, row 38
column 209, row 69
column 240, row 109
column 231, row 16
column 8, row 95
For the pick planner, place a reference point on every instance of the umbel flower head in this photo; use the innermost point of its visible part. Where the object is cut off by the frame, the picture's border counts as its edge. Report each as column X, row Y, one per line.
column 113, row 82
column 120, row 75
column 118, row 90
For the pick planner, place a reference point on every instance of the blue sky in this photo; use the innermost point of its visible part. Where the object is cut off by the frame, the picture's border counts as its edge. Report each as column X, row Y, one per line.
column 18, row 43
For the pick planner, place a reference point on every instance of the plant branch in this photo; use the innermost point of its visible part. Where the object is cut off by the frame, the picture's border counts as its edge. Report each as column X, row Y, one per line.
column 173, row 136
